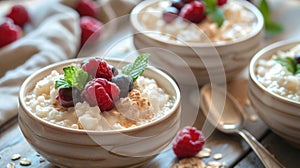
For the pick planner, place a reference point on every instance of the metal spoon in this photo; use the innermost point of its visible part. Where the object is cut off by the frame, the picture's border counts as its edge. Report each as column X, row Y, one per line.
column 231, row 120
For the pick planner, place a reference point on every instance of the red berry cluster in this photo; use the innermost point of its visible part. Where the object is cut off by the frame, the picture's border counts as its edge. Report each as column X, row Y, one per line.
column 188, row 142
column 11, row 29
column 191, row 10
column 89, row 25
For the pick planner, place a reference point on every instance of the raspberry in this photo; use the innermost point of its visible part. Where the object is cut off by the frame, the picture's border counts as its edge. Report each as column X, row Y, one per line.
column 125, row 84
column 193, row 11
column 98, row 68
column 222, row 2
column 9, row 32
column 188, row 142
column 90, row 28
column 19, row 15
column 67, row 97
column 86, row 8
column 101, row 92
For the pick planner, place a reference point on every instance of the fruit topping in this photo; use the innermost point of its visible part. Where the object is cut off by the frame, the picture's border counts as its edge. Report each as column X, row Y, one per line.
column 19, row 15
column 114, row 70
column 90, row 28
column 194, row 11
column 177, row 4
column 188, row 142
column 170, row 14
column 222, row 2
column 101, row 92
column 67, row 97
column 87, row 8
column 297, row 58
column 9, row 32
column 98, row 68
column 125, row 84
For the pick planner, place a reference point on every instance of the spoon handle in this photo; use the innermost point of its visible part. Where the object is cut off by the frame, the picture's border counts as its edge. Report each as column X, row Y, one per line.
column 265, row 156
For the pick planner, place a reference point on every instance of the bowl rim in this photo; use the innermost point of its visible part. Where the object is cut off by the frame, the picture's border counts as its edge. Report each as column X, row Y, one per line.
column 258, row 28
column 272, row 47
column 25, row 109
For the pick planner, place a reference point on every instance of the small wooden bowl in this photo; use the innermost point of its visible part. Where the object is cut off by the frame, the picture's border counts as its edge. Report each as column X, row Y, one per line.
column 68, row 147
column 209, row 62
column 279, row 113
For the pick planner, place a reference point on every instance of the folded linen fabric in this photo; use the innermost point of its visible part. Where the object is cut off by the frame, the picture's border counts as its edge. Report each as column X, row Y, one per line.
column 54, row 37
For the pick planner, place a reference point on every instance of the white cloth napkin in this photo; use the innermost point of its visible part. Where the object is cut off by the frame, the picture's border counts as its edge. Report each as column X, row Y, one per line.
column 54, row 37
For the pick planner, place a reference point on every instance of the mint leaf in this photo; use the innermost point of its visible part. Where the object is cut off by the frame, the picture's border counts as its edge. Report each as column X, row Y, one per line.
column 265, row 10
column 61, row 83
column 73, row 77
column 289, row 63
column 217, row 16
column 135, row 69
column 297, row 69
column 270, row 26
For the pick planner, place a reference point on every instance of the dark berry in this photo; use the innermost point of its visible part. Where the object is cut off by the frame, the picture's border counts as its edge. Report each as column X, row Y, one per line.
column 222, row 2
column 170, row 14
column 19, row 15
column 188, row 142
column 67, row 97
column 177, row 4
column 9, row 32
column 124, row 83
column 90, row 29
column 297, row 58
column 86, row 8
column 114, row 70
column 193, row 11
column 98, row 68
column 102, row 93
column 187, row 1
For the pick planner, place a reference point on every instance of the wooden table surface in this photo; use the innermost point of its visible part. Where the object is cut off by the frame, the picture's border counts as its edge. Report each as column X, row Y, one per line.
column 236, row 153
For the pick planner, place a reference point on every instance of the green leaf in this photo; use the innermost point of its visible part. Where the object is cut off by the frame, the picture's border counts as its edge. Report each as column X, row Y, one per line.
column 298, row 69
column 289, row 63
column 135, row 69
column 217, row 16
column 265, row 10
column 61, row 83
column 273, row 28
column 73, row 77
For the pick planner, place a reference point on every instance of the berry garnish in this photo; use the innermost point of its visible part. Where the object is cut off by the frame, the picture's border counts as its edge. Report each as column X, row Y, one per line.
column 125, row 84
column 170, row 14
column 101, row 92
column 114, row 70
column 90, row 28
column 177, row 4
column 188, row 142
column 86, row 8
column 297, row 58
column 9, row 32
column 67, row 97
column 222, row 2
column 19, row 15
column 98, row 68
column 194, row 11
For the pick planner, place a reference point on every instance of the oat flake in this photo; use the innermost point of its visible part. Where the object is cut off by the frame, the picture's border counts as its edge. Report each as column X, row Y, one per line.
column 15, row 156
column 25, row 162
column 10, row 165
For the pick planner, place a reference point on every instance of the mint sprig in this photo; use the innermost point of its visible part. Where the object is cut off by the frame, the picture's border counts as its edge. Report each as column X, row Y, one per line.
column 73, row 77
column 215, row 14
column 135, row 69
column 290, row 64
column 270, row 26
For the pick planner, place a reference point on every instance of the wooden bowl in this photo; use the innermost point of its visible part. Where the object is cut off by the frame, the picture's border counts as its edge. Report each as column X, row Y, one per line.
column 207, row 61
column 279, row 113
column 68, row 147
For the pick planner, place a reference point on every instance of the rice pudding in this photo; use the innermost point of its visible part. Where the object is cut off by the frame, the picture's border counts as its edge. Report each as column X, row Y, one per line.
column 239, row 22
column 280, row 74
column 144, row 103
